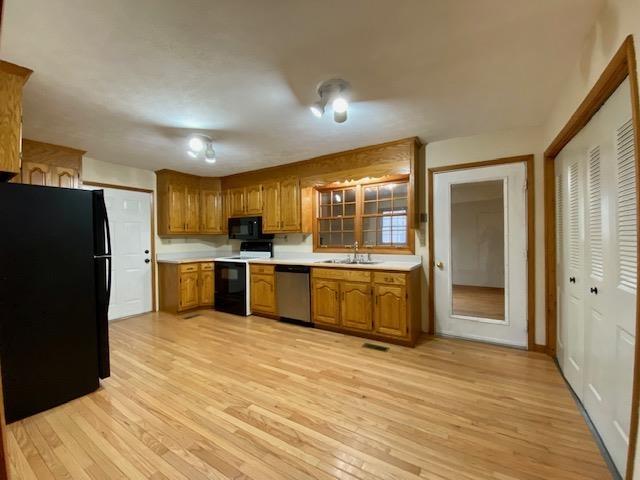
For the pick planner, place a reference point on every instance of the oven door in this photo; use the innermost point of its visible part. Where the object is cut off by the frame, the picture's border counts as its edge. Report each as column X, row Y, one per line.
column 231, row 287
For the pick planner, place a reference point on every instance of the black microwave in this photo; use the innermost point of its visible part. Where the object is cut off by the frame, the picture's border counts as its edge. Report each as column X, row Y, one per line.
column 247, row 228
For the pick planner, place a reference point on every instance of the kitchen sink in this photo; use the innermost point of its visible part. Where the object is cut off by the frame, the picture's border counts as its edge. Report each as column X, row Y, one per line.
column 348, row 261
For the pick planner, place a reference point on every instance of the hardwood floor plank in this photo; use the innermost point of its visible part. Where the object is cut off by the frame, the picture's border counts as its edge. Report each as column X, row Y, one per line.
column 218, row 396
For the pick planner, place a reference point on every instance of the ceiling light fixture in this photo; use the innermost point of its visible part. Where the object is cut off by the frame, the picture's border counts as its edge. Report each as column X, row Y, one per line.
column 336, row 93
column 201, row 146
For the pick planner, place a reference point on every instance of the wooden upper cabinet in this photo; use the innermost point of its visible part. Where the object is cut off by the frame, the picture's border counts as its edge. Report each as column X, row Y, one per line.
column 211, row 207
column 281, row 208
column 236, row 202
column 391, row 310
column 36, row 174
column 12, row 80
column 50, row 165
column 355, row 307
column 176, row 208
column 290, row 205
column 189, row 205
column 325, row 301
column 192, row 209
column 65, row 177
column 253, row 200
column 271, row 207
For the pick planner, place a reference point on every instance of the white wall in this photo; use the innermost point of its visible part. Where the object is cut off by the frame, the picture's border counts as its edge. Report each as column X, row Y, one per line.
column 523, row 141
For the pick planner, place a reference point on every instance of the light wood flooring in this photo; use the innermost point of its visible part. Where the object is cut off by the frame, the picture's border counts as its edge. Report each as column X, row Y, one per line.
column 483, row 302
column 220, row 396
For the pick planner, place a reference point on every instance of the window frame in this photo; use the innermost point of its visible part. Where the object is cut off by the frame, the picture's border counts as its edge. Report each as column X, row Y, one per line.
column 358, row 218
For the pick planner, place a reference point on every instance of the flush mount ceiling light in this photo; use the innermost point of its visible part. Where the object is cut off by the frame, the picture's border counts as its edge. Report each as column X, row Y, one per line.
column 336, row 93
column 201, row 146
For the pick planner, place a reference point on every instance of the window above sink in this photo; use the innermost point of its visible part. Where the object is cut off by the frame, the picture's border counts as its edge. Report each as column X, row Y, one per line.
column 376, row 215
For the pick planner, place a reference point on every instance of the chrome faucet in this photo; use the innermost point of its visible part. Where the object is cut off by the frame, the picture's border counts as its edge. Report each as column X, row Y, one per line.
column 355, row 252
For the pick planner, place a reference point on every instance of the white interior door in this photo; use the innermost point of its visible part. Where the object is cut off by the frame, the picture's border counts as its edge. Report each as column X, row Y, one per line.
column 130, row 222
column 480, row 253
column 596, row 229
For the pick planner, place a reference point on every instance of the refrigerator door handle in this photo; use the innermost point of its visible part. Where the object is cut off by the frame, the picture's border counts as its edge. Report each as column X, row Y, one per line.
column 106, row 227
column 108, row 292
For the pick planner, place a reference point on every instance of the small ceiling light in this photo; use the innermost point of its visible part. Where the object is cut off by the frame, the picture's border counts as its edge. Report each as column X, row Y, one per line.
column 340, row 105
column 196, row 144
column 317, row 109
column 335, row 92
column 201, row 146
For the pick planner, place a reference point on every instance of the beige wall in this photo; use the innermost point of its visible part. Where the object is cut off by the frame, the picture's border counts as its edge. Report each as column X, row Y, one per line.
column 490, row 146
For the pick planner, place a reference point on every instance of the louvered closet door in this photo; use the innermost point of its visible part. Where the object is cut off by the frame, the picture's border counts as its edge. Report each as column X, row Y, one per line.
column 571, row 279
column 599, row 308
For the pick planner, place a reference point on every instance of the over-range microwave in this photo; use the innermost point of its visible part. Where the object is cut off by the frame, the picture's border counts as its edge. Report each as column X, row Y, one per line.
column 247, row 228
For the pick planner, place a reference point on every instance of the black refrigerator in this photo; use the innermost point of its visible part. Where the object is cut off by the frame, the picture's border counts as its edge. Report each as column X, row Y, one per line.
column 55, row 282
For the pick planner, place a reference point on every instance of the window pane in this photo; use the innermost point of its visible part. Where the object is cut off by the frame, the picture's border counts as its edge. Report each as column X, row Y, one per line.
column 348, row 224
column 369, row 223
column 350, row 209
column 350, row 195
column 336, row 239
column 337, row 197
column 337, row 210
column 336, row 225
column 325, row 198
column 348, row 238
column 384, row 206
column 399, row 205
column 385, row 191
column 324, row 225
column 370, row 207
column 325, row 211
column 370, row 193
column 369, row 239
column 400, row 190
column 324, row 238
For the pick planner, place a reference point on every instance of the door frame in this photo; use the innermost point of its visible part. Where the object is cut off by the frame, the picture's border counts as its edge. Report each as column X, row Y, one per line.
column 531, row 246
column 621, row 66
column 152, row 230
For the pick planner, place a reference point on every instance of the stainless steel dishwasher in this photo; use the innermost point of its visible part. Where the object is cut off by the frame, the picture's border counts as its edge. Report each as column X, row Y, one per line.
column 293, row 293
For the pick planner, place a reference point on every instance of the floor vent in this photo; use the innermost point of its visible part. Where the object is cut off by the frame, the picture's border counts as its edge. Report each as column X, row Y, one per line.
column 373, row 346
column 194, row 315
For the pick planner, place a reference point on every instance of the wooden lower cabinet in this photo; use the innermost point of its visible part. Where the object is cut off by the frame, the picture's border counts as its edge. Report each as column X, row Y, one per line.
column 325, row 301
column 390, row 310
column 185, row 286
column 355, row 305
column 375, row 304
column 263, row 289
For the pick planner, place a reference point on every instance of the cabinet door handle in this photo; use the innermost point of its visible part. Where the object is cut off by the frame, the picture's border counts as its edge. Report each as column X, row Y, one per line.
column 594, row 290
column 572, row 279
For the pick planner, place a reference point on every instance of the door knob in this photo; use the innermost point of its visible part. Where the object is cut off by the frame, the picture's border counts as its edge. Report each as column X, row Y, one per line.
column 440, row 265
column 572, row 279
column 146, row 260
column 594, row 290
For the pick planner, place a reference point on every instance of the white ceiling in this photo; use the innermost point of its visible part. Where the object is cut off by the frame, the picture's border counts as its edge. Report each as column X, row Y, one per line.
column 128, row 80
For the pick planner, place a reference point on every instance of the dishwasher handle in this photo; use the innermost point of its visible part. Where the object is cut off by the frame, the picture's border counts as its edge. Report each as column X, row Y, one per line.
column 293, row 268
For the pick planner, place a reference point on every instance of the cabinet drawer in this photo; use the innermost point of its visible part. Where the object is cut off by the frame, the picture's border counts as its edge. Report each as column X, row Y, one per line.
column 340, row 274
column 206, row 266
column 189, row 267
column 264, row 269
column 333, row 273
column 390, row 278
